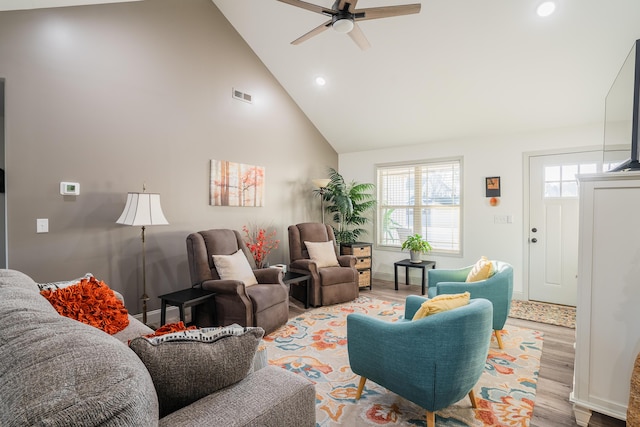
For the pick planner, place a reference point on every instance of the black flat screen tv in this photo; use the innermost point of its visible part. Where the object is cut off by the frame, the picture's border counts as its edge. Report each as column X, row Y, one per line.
column 622, row 114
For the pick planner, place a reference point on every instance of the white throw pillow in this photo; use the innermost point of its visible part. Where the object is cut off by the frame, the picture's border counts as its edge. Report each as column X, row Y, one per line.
column 235, row 267
column 323, row 253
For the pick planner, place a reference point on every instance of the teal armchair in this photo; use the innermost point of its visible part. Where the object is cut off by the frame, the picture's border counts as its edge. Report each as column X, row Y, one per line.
column 433, row 362
column 498, row 289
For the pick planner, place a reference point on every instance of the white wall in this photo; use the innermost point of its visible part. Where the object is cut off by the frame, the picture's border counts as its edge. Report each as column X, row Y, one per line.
column 501, row 156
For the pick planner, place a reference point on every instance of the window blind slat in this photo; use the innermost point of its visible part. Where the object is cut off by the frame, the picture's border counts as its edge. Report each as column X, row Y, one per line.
column 434, row 213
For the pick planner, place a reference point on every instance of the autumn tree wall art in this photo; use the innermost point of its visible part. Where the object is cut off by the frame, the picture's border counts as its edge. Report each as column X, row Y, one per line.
column 236, row 184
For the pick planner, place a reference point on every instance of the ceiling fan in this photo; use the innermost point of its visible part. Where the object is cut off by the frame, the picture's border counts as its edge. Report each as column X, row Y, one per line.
column 344, row 17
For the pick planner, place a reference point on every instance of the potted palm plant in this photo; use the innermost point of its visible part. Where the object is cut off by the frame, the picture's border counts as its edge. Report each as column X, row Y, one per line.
column 416, row 245
column 349, row 205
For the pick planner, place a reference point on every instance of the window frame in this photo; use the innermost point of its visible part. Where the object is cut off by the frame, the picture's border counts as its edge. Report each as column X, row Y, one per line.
column 416, row 163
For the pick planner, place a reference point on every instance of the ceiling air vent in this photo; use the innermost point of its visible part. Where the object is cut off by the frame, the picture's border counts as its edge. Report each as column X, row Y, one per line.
column 241, row 96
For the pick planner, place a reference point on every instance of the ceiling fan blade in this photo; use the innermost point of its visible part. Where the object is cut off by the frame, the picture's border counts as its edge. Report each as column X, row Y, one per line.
column 358, row 36
column 386, row 11
column 309, row 6
column 319, row 29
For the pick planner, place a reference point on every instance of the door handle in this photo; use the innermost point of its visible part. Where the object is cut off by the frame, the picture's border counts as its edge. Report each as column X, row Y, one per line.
column 534, row 240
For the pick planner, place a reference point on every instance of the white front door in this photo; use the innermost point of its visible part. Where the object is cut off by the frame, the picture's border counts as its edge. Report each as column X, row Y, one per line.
column 553, row 224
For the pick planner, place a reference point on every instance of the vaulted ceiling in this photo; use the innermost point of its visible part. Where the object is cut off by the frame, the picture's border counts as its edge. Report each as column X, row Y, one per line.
column 458, row 69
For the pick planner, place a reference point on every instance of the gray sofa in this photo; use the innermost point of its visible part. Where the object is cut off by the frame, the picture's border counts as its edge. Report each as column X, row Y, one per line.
column 55, row 371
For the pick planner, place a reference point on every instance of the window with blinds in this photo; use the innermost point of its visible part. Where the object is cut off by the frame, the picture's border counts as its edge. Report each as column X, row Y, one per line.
column 421, row 198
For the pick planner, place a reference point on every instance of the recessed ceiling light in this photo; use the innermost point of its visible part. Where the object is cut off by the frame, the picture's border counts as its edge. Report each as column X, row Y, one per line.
column 320, row 81
column 546, row 8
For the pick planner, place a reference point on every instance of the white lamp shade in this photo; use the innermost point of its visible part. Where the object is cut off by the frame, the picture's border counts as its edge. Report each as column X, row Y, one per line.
column 142, row 209
column 321, row 182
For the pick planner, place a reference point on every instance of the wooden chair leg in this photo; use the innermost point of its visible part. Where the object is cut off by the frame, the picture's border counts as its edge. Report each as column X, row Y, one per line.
column 360, row 387
column 499, row 338
column 431, row 419
column 472, row 397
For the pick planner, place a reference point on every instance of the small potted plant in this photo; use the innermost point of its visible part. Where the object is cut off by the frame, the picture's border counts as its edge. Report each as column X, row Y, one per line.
column 416, row 245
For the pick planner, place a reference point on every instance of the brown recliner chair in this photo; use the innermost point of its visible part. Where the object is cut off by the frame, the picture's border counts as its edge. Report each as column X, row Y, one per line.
column 329, row 285
column 265, row 305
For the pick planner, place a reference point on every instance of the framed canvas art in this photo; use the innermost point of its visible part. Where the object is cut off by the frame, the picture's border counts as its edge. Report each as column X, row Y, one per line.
column 236, row 184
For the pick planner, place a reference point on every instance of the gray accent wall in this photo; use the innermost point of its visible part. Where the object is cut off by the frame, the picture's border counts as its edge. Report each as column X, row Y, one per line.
column 3, row 204
column 114, row 96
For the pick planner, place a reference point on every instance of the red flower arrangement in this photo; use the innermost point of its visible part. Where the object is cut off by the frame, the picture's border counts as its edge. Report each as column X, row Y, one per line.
column 260, row 243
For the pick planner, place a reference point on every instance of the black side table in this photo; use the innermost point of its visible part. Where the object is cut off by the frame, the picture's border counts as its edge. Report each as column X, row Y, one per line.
column 292, row 278
column 190, row 297
column 406, row 263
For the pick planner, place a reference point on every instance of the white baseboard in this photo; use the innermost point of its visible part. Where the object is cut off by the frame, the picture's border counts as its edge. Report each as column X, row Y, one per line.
column 414, row 276
column 173, row 316
column 518, row 295
column 415, row 280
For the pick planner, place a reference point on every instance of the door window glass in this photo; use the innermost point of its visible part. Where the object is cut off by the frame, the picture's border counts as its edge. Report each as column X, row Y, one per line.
column 560, row 180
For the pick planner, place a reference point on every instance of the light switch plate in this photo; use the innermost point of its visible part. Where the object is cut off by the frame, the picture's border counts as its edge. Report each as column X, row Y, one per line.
column 42, row 225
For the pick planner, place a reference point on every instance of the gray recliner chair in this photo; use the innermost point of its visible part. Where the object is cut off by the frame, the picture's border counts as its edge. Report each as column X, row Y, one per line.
column 329, row 285
column 265, row 305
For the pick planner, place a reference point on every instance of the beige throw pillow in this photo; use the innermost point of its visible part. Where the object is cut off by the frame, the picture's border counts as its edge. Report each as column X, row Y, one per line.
column 235, row 267
column 323, row 253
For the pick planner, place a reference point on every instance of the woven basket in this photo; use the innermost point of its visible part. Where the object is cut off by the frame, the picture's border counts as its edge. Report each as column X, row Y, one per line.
column 633, row 410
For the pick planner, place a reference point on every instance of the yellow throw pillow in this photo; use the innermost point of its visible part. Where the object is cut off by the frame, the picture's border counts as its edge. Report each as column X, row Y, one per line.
column 441, row 303
column 482, row 270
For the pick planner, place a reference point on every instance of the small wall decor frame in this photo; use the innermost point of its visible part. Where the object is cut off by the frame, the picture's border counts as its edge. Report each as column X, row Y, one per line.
column 492, row 186
column 236, row 184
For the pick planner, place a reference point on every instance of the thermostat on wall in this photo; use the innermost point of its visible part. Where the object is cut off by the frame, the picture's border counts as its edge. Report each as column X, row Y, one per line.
column 69, row 188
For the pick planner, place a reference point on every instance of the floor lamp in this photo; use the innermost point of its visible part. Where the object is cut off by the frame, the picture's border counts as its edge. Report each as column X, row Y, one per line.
column 321, row 183
column 143, row 209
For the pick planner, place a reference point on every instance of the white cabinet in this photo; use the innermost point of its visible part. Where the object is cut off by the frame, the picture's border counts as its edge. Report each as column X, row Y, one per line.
column 608, row 304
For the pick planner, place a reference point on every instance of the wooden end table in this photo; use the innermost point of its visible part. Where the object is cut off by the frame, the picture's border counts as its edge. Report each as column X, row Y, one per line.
column 293, row 278
column 406, row 263
column 190, row 297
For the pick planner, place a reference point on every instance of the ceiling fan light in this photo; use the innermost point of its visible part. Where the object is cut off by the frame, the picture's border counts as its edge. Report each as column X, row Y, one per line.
column 546, row 9
column 343, row 25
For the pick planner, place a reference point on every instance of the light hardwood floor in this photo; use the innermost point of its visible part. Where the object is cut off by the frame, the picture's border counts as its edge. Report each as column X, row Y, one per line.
column 552, row 407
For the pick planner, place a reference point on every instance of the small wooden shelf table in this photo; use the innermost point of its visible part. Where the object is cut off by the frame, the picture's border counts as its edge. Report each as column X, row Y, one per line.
column 293, row 278
column 190, row 297
column 406, row 263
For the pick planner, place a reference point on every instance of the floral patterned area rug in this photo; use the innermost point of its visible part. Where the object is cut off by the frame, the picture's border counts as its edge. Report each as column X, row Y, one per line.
column 543, row 312
column 314, row 345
